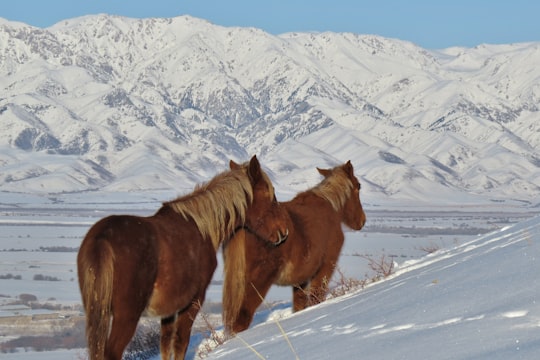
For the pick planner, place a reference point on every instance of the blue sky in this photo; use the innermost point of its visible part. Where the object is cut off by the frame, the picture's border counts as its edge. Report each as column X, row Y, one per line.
column 431, row 24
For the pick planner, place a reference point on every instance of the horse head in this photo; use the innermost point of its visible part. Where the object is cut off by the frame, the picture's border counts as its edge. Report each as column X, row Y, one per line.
column 353, row 213
column 264, row 216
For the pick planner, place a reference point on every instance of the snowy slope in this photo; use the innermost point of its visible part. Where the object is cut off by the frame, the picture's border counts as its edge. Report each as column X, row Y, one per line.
column 478, row 300
column 111, row 103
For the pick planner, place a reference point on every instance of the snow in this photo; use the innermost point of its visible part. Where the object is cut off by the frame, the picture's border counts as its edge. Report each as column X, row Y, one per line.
column 478, row 300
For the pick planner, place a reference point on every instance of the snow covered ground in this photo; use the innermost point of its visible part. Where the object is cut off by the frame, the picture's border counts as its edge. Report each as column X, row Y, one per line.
column 477, row 300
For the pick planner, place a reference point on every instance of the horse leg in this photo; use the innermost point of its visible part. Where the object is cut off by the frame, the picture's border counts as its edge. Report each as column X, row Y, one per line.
column 128, row 305
column 255, row 294
column 183, row 324
column 167, row 330
column 300, row 296
column 122, row 330
column 320, row 283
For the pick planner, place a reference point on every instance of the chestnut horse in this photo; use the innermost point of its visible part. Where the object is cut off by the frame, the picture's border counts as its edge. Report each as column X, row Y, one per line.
column 164, row 263
column 306, row 260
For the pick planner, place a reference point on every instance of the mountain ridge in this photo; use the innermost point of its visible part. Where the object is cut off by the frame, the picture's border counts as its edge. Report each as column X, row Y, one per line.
column 129, row 104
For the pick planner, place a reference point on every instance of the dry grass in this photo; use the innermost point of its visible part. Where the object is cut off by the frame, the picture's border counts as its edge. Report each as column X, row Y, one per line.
column 342, row 284
column 382, row 267
column 212, row 335
column 429, row 249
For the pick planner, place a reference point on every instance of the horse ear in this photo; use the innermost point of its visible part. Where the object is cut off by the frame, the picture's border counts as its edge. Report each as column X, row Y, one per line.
column 324, row 172
column 233, row 165
column 349, row 168
column 254, row 169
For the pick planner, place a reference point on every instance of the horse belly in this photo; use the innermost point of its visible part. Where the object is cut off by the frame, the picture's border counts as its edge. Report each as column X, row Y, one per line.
column 285, row 275
column 293, row 273
column 163, row 305
column 184, row 283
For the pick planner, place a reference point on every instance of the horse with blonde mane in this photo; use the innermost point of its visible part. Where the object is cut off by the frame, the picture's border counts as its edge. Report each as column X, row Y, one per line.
column 163, row 263
column 306, row 261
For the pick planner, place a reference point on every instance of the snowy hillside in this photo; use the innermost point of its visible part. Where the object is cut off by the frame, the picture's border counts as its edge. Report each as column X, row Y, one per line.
column 478, row 300
column 119, row 104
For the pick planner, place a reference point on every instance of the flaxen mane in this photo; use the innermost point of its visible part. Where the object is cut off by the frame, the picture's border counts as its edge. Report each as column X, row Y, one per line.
column 217, row 205
column 336, row 189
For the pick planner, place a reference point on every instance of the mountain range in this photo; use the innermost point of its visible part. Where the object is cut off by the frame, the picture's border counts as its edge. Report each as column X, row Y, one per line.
column 110, row 103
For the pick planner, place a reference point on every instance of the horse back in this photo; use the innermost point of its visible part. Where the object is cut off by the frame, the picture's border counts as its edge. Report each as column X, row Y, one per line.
column 131, row 237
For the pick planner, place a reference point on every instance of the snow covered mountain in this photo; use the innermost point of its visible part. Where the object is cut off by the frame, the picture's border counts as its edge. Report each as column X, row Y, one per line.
column 112, row 103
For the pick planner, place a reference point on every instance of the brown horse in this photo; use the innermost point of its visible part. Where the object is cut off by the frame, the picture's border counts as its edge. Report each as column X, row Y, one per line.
column 306, row 260
column 164, row 263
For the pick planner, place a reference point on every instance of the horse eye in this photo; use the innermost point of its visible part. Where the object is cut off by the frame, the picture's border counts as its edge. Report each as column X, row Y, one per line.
column 359, row 186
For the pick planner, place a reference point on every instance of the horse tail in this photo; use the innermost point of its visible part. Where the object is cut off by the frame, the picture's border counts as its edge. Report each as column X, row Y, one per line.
column 234, row 283
column 95, row 263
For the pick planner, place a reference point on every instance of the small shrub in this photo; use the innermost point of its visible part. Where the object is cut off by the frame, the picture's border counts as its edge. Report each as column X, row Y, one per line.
column 212, row 336
column 41, row 277
column 27, row 298
column 344, row 285
column 383, row 266
column 58, row 249
column 10, row 277
column 431, row 248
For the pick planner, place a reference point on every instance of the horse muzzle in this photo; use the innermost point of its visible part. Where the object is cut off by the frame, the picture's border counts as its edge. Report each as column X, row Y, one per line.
column 358, row 225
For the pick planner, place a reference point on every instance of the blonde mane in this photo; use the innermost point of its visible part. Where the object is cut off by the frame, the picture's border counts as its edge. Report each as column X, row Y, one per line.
column 217, row 206
column 336, row 188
